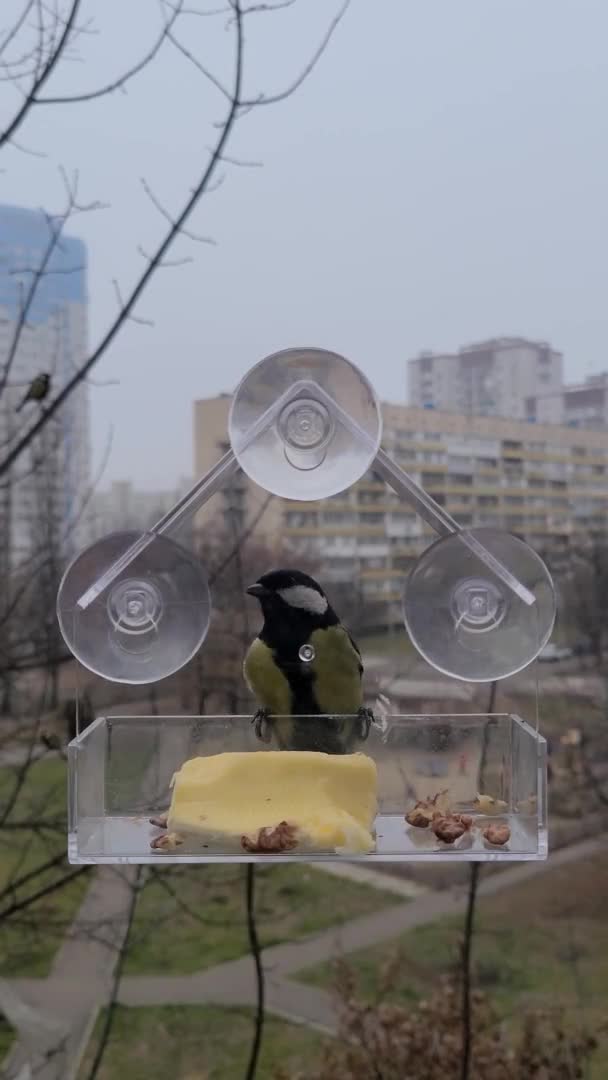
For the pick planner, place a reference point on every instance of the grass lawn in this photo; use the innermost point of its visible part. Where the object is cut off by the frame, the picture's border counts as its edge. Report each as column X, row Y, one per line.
column 6, row 1039
column 196, row 1042
column 204, row 922
column 30, row 938
column 544, row 942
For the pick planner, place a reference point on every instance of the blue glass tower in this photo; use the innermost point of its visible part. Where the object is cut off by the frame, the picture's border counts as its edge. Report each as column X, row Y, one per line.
column 55, row 338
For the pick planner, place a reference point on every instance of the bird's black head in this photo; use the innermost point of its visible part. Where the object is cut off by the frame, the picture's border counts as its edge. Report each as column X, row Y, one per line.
column 287, row 596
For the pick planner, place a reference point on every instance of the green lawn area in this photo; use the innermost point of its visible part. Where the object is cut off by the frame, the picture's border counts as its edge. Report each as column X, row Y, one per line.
column 30, row 938
column 544, row 942
column 196, row 1042
column 6, row 1039
column 203, row 923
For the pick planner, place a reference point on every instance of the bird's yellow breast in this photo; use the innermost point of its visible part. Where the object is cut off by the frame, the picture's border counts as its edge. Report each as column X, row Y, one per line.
column 266, row 680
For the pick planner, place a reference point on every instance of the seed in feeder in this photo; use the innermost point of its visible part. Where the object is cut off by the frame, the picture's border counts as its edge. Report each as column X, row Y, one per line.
column 448, row 828
column 426, row 809
column 498, row 833
column 167, row 842
column 276, row 838
column 488, row 805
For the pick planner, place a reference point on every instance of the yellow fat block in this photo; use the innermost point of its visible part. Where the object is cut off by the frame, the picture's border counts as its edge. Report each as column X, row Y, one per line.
column 330, row 800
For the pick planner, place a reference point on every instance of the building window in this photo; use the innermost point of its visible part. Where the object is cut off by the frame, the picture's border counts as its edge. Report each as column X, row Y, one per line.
column 337, row 517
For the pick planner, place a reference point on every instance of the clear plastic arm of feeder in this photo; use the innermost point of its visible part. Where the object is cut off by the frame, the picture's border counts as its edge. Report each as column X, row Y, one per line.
column 214, row 480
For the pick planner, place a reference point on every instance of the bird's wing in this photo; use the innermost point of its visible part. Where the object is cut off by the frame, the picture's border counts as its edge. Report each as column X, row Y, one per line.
column 265, row 679
column 337, row 670
column 356, row 648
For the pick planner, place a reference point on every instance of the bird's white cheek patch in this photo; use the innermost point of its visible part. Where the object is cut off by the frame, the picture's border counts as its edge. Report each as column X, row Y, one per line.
column 300, row 596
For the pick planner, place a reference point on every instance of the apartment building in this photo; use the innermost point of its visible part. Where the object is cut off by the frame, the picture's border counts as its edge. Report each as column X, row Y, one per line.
column 586, row 405
column 543, row 482
column 499, row 377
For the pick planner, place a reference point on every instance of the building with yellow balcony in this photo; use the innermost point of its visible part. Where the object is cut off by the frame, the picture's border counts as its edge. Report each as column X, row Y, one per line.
column 545, row 483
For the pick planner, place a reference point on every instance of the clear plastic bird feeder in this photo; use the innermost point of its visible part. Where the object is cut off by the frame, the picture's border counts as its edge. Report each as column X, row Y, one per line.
column 479, row 606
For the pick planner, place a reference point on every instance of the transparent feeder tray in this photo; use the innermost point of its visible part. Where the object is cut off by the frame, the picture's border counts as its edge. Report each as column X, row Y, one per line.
column 120, row 771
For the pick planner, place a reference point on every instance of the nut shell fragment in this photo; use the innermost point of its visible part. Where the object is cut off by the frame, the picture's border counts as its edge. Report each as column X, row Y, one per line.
column 448, row 828
column 271, row 840
column 497, row 834
column 488, row 805
column 422, row 814
column 167, row 841
column 465, row 819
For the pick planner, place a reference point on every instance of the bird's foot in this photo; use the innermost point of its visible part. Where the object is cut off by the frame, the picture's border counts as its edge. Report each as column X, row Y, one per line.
column 261, row 725
column 366, row 719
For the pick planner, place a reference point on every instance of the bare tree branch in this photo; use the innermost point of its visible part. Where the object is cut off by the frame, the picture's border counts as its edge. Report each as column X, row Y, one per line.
column 111, row 1007
column 281, row 95
column 154, row 262
column 46, row 890
column 46, row 71
column 256, row 953
column 177, row 222
column 165, row 213
column 469, row 925
column 120, row 82
column 16, row 27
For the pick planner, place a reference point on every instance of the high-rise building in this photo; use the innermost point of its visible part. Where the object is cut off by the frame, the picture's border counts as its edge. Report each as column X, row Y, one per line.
column 43, row 307
column 546, row 483
column 586, row 405
column 122, row 507
column 500, row 377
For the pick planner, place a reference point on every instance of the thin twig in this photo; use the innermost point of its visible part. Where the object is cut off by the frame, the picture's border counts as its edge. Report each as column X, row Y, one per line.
column 469, row 926
column 19, row 905
column 467, row 948
column 120, row 82
column 47, row 70
column 242, row 538
column 111, row 1006
column 259, row 973
column 174, row 230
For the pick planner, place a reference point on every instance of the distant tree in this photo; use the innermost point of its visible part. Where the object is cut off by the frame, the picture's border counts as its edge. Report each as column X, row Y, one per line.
column 421, row 1040
column 584, row 586
column 38, row 43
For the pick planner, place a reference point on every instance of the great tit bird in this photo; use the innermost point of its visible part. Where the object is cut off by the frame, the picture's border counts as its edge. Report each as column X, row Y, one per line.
column 304, row 663
column 37, row 390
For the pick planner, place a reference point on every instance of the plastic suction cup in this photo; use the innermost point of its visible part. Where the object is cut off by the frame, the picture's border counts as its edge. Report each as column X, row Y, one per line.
column 148, row 623
column 464, row 621
column 305, row 448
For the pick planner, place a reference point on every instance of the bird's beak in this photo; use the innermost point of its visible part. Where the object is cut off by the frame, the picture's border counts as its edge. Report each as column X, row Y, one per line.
column 257, row 590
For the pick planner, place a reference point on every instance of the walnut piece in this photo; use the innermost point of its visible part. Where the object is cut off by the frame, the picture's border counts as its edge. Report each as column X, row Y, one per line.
column 272, row 839
column 167, row 841
column 498, row 833
column 448, row 828
column 466, row 820
column 426, row 809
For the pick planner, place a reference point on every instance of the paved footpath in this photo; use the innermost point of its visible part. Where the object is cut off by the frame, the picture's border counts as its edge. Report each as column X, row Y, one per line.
column 80, row 981
column 67, row 1002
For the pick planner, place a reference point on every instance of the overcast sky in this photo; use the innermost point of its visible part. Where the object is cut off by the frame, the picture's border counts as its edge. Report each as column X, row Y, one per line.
column 441, row 177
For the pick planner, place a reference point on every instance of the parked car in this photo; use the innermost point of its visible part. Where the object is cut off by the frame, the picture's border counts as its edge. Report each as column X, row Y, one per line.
column 553, row 652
